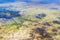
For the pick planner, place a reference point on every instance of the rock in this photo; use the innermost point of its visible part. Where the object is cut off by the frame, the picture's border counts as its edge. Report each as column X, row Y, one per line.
column 40, row 30
column 43, row 33
column 9, row 14
column 56, row 22
column 58, row 28
column 41, row 15
column 54, row 30
column 54, row 8
column 58, row 17
column 46, row 23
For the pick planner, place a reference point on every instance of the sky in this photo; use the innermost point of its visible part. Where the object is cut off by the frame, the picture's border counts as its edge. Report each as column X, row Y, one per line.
column 32, row 1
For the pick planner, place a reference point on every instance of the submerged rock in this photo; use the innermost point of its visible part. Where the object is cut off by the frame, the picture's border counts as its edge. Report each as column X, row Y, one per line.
column 54, row 8
column 58, row 17
column 42, row 33
column 41, row 15
column 9, row 14
column 56, row 22
column 40, row 30
column 54, row 30
column 46, row 23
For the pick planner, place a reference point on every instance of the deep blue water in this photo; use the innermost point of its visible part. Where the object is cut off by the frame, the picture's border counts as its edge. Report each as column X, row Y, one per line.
column 38, row 1
column 6, row 1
